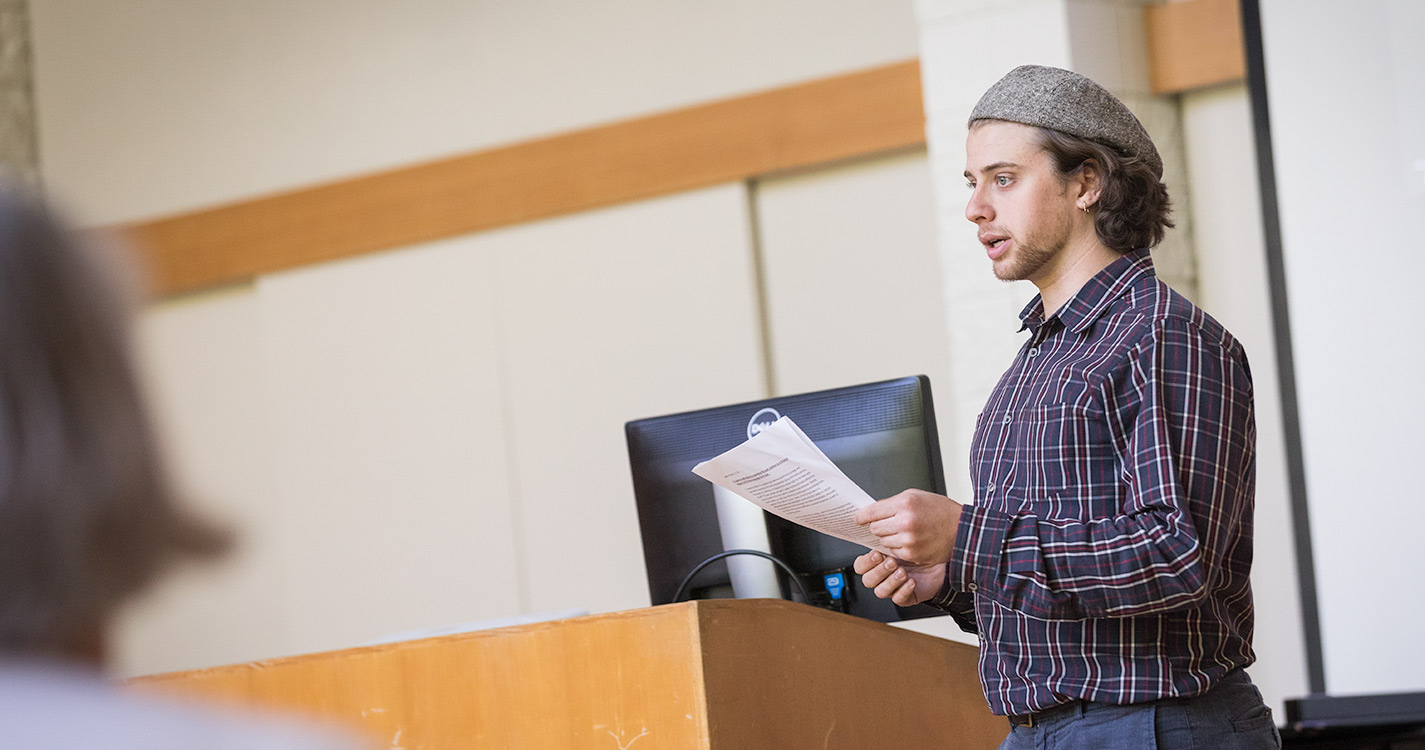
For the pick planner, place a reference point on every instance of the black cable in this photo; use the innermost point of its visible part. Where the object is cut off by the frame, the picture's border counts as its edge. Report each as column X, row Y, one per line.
column 682, row 587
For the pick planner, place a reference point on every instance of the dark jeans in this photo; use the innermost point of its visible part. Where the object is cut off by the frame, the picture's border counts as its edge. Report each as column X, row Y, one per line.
column 1230, row 716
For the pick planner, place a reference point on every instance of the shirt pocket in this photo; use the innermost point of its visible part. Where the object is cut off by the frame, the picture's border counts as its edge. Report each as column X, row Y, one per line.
column 1064, row 462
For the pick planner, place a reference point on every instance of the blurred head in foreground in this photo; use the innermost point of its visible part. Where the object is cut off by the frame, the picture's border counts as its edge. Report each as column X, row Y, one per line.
column 87, row 517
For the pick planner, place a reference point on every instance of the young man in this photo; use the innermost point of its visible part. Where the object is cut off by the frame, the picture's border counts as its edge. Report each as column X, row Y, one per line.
column 1105, row 559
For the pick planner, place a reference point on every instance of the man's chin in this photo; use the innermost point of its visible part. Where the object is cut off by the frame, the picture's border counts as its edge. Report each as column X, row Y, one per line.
column 1019, row 267
column 1006, row 270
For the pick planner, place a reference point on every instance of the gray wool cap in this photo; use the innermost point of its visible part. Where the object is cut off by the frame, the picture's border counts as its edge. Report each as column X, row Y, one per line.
column 1068, row 102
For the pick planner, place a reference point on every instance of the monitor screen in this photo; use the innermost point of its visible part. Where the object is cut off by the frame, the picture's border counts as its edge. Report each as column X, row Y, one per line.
column 882, row 435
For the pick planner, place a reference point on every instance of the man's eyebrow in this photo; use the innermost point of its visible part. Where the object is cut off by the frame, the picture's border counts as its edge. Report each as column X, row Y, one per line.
column 993, row 167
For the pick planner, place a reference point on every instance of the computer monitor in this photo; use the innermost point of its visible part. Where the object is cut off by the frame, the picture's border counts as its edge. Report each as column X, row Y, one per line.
column 882, row 435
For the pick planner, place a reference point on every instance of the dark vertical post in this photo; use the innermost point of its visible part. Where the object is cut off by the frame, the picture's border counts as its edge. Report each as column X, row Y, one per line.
column 1281, row 328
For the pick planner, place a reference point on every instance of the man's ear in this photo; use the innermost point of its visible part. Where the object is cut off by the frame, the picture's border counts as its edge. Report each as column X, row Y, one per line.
column 1090, row 184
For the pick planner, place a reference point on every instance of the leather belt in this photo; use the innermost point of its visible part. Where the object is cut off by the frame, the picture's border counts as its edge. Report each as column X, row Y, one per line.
column 1036, row 718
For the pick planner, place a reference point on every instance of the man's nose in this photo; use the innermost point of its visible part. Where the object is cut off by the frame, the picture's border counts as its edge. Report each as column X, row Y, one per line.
column 977, row 209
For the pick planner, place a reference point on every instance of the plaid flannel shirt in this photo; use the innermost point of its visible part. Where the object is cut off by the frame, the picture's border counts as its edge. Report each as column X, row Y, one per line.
column 1107, row 554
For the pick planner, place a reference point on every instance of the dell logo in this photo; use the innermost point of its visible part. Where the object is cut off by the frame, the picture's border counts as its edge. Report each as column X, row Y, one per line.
column 761, row 421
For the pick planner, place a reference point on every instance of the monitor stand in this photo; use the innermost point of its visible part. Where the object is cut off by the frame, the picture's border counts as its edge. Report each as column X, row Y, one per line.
column 744, row 526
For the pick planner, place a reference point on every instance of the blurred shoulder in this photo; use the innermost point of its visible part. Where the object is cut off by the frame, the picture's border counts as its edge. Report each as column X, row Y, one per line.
column 64, row 708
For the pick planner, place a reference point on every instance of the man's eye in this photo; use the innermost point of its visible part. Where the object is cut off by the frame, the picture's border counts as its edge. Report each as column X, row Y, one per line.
column 1002, row 180
column 970, row 185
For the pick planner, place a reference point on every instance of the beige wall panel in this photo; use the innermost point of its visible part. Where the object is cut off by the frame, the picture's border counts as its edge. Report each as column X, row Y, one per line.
column 853, row 278
column 1231, row 256
column 855, row 288
column 389, row 442
column 202, row 359
column 608, row 316
column 852, row 274
column 156, row 107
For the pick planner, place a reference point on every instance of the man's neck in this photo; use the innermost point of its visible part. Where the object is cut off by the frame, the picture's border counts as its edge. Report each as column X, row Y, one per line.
column 1073, row 266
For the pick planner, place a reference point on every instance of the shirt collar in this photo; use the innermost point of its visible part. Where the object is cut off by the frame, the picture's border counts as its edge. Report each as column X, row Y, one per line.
column 1094, row 297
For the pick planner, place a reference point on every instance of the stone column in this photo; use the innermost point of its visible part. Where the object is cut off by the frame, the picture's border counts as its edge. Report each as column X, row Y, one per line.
column 18, row 160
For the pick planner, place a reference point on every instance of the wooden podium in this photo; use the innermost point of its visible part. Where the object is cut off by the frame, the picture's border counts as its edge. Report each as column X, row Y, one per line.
column 719, row 674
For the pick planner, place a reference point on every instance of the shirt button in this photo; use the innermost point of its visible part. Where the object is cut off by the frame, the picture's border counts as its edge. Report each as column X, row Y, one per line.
column 1008, row 418
column 972, row 587
column 989, row 487
column 1034, row 351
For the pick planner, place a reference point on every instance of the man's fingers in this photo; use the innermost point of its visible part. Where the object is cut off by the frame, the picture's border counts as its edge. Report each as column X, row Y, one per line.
column 890, row 579
column 873, row 577
column 877, row 575
column 887, row 526
column 905, row 595
column 888, row 587
column 867, row 561
column 893, row 543
column 873, row 512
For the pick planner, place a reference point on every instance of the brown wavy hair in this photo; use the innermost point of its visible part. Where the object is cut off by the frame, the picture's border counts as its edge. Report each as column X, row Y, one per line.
column 1133, row 208
column 87, row 515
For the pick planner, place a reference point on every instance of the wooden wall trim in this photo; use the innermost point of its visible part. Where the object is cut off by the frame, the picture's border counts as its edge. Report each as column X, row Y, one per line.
column 1194, row 43
column 1191, row 43
column 825, row 120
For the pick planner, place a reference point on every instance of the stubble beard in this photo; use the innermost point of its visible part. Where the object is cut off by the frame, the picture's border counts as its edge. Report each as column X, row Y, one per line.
column 1030, row 256
column 1027, row 261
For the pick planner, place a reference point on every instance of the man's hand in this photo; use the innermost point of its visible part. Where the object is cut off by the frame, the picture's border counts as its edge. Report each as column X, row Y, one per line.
column 916, row 526
column 901, row 582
